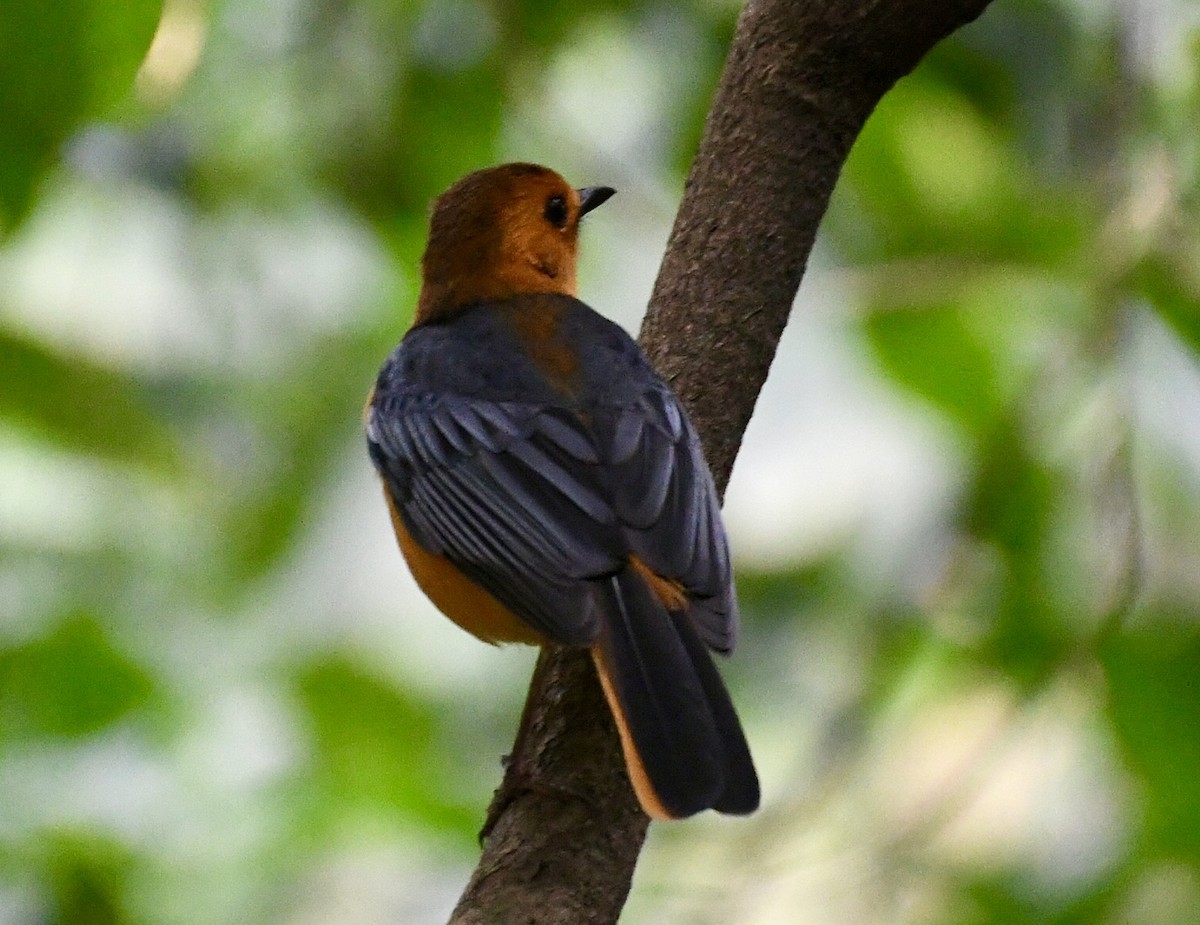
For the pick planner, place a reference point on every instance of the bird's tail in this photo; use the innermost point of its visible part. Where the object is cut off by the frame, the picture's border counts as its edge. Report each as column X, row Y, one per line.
column 683, row 744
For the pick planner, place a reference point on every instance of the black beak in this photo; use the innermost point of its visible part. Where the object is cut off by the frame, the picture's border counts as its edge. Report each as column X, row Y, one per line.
column 592, row 196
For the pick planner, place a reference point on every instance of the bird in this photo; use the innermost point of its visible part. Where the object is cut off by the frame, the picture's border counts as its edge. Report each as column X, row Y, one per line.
column 546, row 486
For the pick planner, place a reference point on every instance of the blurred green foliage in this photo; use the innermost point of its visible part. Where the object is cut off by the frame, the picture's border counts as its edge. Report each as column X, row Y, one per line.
column 60, row 63
column 68, row 684
column 1155, row 699
column 79, row 405
column 218, row 701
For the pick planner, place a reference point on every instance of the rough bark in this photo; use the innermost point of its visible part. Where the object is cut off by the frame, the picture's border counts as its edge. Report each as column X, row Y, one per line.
column 801, row 79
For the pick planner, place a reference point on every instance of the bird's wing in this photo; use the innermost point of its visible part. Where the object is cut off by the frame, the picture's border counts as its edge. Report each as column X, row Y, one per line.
column 510, row 493
column 664, row 497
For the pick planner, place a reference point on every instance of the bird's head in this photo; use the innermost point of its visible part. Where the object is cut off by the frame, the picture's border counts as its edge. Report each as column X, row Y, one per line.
column 505, row 231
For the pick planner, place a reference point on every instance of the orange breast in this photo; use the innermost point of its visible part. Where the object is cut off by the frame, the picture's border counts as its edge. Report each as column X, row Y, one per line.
column 455, row 595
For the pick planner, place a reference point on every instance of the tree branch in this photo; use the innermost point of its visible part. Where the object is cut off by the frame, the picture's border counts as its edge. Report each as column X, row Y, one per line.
column 800, row 82
column 801, row 79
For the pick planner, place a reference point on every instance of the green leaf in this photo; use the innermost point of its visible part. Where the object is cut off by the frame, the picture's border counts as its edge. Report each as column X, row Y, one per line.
column 1169, row 291
column 1154, row 704
column 1008, row 897
column 1009, row 507
column 86, row 877
column 934, row 173
column 61, row 63
column 934, row 352
column 1010, row 501
column 305, row 424
column 79, row 405
column 377, row 747
column 425, row 144
column 70, row 683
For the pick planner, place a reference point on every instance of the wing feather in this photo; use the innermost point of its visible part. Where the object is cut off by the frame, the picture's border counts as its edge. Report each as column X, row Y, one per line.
column 567, row 482
column 535, row 499
column 670, row 511
column 567, row 437
column 509, row 493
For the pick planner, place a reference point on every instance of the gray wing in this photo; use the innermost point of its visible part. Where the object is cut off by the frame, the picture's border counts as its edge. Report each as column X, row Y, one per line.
column 664, row 497
column 512, row 493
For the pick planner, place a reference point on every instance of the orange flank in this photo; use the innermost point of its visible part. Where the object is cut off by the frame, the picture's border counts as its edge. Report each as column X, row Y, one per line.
column 455, row 595
column 669, row 593
column 646, row 794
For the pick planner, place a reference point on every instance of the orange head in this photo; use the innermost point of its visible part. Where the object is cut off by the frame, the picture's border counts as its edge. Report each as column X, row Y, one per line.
column 509, row 230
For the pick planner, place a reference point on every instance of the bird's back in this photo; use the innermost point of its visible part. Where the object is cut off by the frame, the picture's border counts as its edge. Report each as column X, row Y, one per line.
column 533, row 348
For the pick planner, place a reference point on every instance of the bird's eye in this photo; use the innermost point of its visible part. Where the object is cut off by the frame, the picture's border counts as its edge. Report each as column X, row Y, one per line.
column 556, row 211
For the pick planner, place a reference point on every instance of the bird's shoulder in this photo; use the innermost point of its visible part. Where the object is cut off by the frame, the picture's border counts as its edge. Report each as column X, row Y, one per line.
column 542, row 349
column 471, row 354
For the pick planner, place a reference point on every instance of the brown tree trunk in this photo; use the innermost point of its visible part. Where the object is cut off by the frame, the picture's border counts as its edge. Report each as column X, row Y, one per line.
column 801, row 79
